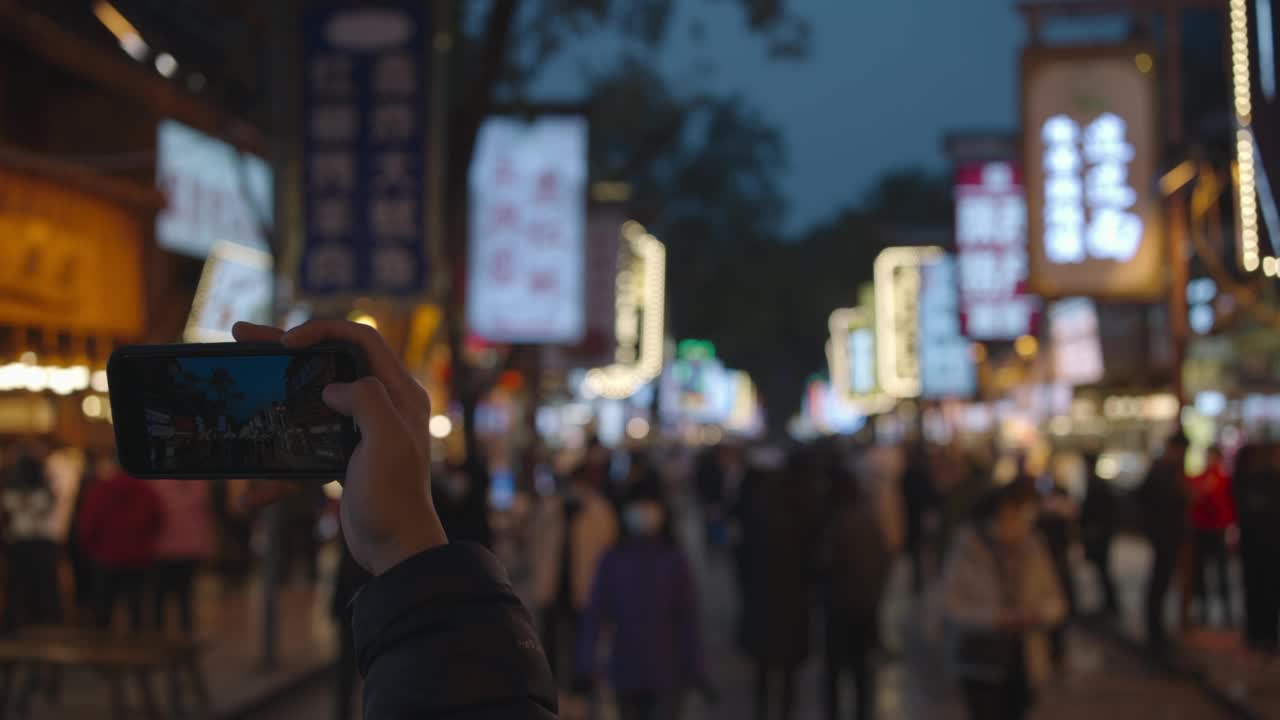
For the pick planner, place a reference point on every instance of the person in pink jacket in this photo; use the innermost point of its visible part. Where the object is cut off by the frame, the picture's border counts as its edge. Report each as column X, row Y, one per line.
column 185, row 540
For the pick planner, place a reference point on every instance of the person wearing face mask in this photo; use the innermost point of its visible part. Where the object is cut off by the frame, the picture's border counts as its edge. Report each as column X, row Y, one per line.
column 1001, row 596
column 644, row 595
column 570, row 532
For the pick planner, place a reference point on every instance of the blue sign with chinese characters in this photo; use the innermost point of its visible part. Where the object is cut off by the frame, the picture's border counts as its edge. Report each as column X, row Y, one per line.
column 364, row 112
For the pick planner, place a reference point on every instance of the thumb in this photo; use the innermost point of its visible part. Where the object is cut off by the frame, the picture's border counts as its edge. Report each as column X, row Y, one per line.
column 365, row 400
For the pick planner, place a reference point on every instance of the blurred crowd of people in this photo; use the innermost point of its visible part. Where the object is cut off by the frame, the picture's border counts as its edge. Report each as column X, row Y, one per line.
column 86, row 544
column 816, row 531
column 808, row 533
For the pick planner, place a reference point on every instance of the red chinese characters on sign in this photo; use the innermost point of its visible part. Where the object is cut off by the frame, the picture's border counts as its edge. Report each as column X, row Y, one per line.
column 991, row 248
column 527, row 183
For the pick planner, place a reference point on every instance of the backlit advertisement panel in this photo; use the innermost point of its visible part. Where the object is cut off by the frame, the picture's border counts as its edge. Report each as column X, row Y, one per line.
column 1090, row 143
column 991, row 252
column 528, row 223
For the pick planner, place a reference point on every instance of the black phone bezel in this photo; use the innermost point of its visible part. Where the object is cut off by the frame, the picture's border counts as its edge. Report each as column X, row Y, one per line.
column 125, row 393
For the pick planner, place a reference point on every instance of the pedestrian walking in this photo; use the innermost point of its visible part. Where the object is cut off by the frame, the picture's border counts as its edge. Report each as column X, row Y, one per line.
column 31, row 588
column 1097, row 531
column 1213, row 512
column 119, row 523
column 1163, row 499
column 1257, row 491
column 1057, row 526
column 1001, row 596
column 780, row 537
column 184, row 542
column 921, row 502
column 644, row 599
column 570, row 533
column 856, row 559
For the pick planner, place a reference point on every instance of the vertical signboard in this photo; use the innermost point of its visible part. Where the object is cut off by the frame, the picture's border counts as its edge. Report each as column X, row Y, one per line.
column 603, row 241
column 898, row 282
column 364, row 115
column 235, row 285
column 528, row 217
column 1090, row 146
column 946, row 366
column 1257, row 137
column 212, row 192
column 991, row 252
column 1077, row 345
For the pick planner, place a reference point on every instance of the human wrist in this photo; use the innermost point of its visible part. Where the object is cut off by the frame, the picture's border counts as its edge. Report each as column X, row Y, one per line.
column 404, row 545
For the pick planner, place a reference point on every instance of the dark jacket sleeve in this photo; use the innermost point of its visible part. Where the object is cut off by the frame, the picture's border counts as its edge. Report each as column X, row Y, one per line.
column 441, row 635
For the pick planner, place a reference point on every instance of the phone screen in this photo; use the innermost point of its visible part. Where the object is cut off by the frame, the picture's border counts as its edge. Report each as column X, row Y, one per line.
column 227, row 415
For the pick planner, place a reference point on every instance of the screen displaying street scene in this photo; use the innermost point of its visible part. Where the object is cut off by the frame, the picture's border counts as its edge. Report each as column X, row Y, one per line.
column 242, row 413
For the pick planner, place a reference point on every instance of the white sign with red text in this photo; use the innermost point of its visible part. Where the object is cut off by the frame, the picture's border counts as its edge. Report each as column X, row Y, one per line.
column 991, row 248
column 528, row 217
column 212, row 192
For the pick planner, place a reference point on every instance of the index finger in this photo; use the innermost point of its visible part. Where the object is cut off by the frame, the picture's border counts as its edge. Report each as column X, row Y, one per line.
column 253, row 332
column 382, row 362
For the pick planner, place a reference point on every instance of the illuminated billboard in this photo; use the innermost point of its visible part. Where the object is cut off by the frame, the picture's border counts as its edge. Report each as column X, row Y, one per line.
column 946, row 363
column 235, row 285
column 1077, row 345
column 898, row 282
column 640, row 317
column 213, row 192
column 528, row 226
column 991, row 252
column 1090, row 146
column 1257, row 140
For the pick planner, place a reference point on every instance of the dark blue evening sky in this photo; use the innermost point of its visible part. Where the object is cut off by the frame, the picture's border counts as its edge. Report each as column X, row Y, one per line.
column 260, row 378
column 884, row 80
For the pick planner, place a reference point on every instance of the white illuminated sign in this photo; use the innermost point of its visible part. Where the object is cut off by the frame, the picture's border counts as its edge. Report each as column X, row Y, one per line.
column 212, row 192
column 1077, row 347
column 1088, row 201
column 898, row 283
column 528, row 218
column 235, row 285
column 946, row 366
column 1090, row 148
column 640, row 325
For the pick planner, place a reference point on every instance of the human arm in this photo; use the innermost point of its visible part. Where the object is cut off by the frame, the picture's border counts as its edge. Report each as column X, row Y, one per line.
column 438, row 631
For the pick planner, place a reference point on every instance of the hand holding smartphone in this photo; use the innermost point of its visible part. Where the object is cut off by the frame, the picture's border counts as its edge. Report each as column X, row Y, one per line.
column 231, row 410
column 387, row 515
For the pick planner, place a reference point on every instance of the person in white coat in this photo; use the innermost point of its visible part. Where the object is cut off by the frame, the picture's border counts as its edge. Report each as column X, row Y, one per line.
column 1000, row 598
column 570, row 533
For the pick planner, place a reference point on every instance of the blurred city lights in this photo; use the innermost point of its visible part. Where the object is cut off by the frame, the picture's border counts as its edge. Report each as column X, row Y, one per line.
column 166, row 65
column 1250, row 254
column 637, row 428
column 646, row 298
column 36, row 378
column 92, row 406
column 897, row 284
column 363, row 318
column 98, row 381
column 123, row 30
column 1026, row 346
column 440, row 426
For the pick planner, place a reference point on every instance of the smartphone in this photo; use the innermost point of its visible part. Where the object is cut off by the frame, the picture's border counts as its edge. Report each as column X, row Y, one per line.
column 231, row 410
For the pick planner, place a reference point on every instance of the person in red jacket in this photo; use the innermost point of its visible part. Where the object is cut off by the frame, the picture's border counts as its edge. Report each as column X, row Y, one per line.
column 119, row 523
column 1213, row 512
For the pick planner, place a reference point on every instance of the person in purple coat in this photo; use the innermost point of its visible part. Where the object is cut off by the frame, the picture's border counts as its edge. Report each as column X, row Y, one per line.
column 644, row 594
